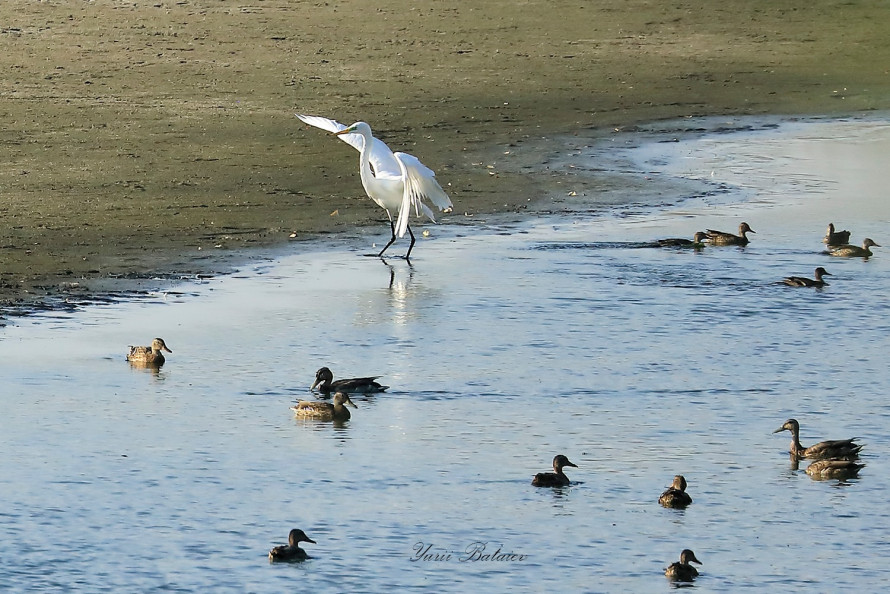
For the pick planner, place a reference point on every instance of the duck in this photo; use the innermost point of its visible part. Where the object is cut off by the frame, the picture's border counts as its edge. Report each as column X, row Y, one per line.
column 149, row 355
column 358, row 385
column 554, row 479
column 697, row 241
column 834, row 469
column 801, row 281
column 722, row 238
column 676, row 495
column 853, row 251
column 291, row 551
column 833, row 237
column 325, row 411
column 832, row 449
column 682, row 571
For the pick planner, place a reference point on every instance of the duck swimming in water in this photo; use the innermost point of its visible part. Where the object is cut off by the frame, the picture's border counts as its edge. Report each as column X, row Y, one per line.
column 149, row 355
column 554, row 479
column 801, row 281
column 853, row 251
column 835, row 238
column 845, row 449
column 697, row 241
column 291, row 551
column 357, row 385
column 325, row 411
column 722, row 238
column 676, row 495
column 833, row 469
column 682, row 571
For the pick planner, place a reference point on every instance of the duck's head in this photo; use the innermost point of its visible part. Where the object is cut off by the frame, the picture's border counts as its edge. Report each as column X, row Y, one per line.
column 869, row 243
column 321, row 376
column 297, row 536
column 679, row 483
column 744, row 227
column 158, row 344
column 790, row 425
column 341, row 398
column 830, row 228
column 561, row 461
column 699, row 236
column 687, row 557
column 820, row 272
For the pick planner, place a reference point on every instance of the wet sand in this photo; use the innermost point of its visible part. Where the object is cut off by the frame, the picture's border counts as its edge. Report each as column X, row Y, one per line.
column 158, row 139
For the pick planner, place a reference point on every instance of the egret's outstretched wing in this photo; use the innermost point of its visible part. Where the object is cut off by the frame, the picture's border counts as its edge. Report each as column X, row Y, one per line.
column 333, row 126
column 381, row 158
column 420, row 184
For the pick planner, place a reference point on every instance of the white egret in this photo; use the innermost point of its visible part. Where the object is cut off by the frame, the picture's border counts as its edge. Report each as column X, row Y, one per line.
column 395, row 181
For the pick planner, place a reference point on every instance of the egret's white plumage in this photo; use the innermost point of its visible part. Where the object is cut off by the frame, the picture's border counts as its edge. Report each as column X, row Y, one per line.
column 397, row 182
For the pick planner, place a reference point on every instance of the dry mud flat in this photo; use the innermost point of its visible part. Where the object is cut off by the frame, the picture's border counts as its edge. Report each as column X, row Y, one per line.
column 158, row 138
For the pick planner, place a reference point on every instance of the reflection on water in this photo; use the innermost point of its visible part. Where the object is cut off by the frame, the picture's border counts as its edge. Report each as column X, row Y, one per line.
column 400, row 292
column 501, row 349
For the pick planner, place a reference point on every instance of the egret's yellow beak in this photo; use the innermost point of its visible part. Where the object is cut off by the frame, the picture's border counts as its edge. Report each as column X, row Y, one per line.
column 343, row 131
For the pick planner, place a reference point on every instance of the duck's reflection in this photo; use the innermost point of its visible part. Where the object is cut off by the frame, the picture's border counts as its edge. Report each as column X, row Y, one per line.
column 141, row 366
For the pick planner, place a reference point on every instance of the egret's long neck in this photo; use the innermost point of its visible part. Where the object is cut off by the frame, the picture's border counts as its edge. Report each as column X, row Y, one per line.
column 364, row 165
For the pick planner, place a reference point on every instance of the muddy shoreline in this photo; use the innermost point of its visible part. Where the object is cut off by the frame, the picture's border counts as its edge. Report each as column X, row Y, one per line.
column 158, row 141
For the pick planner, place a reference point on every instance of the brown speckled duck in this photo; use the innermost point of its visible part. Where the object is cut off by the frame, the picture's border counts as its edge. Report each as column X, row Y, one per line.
column 853, row 251
column 682, row 571
column 554, row 479
column 723, row 238
column 357, row 385
column 325, row 411
column 291, row 551
column 831, row 449
column 821, row 470
column 833, row 237
column 676, row 495
column 802, row 281
column 697, row 241
column 149, row 355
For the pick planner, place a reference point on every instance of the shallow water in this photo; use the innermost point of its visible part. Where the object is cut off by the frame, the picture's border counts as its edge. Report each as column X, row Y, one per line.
column 502, row 347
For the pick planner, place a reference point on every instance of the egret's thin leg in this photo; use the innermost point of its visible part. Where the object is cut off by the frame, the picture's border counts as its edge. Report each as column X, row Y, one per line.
column 392, row 226
column 408, row 255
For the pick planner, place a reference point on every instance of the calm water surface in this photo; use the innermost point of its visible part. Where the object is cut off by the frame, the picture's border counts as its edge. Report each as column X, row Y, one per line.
column 503, row 347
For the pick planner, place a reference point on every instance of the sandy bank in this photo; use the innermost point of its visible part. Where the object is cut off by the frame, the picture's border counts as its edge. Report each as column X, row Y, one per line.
column 146, row 138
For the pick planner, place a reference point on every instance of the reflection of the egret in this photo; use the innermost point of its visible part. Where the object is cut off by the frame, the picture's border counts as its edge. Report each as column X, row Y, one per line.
column 397, row 302
column 399, row 291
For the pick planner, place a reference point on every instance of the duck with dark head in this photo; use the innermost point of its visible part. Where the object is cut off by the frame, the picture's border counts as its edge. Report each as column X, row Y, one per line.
column 324, row 381
column 839, row 449
column 676, row 495
column 724, row 238
column 291, row 551
column 557, row 478
column 682, row 571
